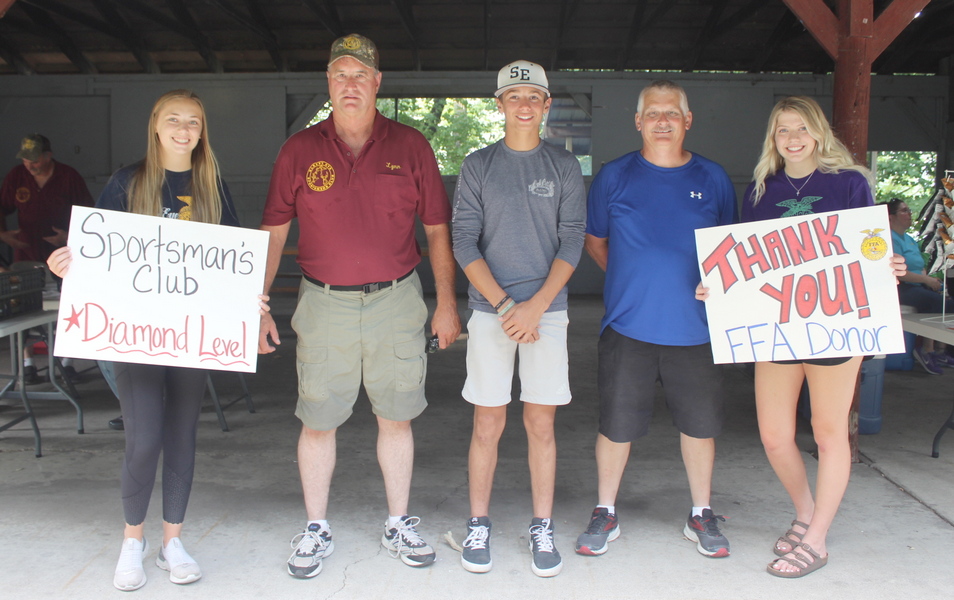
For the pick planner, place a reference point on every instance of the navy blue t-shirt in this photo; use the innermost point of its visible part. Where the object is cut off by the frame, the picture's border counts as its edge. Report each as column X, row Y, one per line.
column 176, row 195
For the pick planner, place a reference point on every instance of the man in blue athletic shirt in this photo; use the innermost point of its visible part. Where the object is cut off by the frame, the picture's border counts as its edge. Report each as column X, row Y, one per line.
column 641, row 214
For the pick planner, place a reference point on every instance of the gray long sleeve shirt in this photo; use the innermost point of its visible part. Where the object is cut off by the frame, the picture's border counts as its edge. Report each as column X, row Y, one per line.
column 519, row 211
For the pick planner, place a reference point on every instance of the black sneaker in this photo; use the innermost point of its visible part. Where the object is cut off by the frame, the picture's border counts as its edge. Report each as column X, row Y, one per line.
column 705, row 532
column 30, row 376
column 71, row 374
column 405, row 543
column 117, row 423
column 603, row 529
column 311, row 545
column 475, row 556
column 546, row 559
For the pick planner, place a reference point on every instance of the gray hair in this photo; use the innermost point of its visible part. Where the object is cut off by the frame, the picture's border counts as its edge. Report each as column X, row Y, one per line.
column 664, row 85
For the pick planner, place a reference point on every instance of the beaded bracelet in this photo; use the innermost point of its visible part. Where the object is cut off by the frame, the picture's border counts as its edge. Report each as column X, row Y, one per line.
column 502, row 302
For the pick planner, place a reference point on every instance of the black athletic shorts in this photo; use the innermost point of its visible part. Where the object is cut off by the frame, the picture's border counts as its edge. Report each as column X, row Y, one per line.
column 628, row 371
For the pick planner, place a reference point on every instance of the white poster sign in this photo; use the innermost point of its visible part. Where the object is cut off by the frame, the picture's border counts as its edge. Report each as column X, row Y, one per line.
column 810, row 286
column 161, row 291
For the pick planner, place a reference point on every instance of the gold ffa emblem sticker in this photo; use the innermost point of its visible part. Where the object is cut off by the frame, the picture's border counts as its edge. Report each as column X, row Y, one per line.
column 185, row 213
column 351, row 43
column 320, row 176
column 23, row 194
column 873, row 247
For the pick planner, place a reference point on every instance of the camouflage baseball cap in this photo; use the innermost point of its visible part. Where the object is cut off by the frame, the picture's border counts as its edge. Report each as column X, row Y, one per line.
column 357, row 47
column 32, row 146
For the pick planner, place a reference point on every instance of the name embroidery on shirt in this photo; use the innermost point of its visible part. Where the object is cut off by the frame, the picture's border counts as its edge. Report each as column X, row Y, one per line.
column 392, row 167
column 543, row 188
column 320, row 176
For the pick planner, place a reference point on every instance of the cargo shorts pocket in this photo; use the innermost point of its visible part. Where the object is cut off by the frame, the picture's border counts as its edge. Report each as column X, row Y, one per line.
column 313, row 373
column 409, row 365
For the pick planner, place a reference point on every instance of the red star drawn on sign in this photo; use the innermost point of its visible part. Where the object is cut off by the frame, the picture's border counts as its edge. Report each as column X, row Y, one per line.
column 73, row 319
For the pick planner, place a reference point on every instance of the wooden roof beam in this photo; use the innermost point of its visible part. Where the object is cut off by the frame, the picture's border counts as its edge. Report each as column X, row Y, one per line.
column 567, row 10
column 403, row 8
column 328, row 16
column 933, row 23
column 738, row 17
column 257, row 26
column 13, row 58
column 787, row 28
column 5, row 6
column 854, row 39
column 636, row 25
column 114, row 26
column 184, row 25
column 707, row 33
column 487, row 22
column 192, row 31
column 55, row 33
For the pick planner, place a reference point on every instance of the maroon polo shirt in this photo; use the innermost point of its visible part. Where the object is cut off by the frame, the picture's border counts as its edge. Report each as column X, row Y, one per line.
column 39, row 210
column 356, row 217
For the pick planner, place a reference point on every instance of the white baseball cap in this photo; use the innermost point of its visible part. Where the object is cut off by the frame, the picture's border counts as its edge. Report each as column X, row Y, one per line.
column 522, row 72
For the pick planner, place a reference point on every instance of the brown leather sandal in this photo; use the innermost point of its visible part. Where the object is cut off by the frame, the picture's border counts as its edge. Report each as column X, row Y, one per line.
column 798, row 553
column 790, row 537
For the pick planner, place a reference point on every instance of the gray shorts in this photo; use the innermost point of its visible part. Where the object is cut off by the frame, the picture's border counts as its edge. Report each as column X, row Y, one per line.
column 628, row 371
column 346, row 338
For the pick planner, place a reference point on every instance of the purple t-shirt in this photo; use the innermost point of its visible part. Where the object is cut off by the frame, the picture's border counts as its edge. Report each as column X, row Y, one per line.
column 824, row 192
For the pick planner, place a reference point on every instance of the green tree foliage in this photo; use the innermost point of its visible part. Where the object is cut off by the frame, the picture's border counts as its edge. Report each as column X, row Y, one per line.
column 455, row 127
column 906, row 175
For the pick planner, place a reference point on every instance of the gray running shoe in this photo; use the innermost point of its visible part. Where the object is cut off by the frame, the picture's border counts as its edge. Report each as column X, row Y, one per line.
column 311, row 545
column 475, row 556
column 704, row 531
column 603, row 529
column 405, row 543
column 546, row 559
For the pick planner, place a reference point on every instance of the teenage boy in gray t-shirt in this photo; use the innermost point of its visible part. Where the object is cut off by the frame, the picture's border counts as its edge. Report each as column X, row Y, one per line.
column 519, row 221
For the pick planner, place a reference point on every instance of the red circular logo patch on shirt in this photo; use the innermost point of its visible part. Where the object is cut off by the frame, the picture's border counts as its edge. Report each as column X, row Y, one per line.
column 23, row 194
column 320, row 176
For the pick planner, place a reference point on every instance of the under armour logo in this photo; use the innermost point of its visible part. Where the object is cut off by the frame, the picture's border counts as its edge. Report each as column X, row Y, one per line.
column 695, row 195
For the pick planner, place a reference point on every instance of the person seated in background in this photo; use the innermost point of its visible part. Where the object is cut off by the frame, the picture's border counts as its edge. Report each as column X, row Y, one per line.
column 916, row 288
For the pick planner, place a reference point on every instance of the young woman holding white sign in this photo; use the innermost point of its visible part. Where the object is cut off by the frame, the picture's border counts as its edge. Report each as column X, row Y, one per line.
column 803, row 170
column 178, row 179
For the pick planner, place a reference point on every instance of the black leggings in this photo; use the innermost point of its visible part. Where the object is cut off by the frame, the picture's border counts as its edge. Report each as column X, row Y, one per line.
column 160, row 408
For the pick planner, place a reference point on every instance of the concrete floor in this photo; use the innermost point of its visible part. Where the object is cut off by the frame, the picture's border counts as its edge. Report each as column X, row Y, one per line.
column 61, row 519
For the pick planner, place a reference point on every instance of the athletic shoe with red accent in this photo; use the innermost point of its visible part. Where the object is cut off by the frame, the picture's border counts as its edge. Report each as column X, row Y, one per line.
column 603, row 529
column 704, row 531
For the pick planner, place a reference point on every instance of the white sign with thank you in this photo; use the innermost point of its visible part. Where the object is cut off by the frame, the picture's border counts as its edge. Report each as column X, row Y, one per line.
column 810, row 286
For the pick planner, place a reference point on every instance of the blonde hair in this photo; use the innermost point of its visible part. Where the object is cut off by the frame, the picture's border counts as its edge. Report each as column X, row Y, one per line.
column 830, row 154
column 145, row 187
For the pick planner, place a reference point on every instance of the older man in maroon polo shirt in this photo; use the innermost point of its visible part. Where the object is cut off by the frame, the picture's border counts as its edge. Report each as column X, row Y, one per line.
column 42, row 192
column 357, row 182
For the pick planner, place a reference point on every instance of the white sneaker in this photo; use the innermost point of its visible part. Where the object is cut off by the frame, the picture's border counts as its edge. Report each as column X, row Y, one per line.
column 129, row 574
column 174, row 558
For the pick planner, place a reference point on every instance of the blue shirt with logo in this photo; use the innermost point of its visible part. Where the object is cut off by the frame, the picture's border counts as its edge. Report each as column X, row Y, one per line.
column 649, row 215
